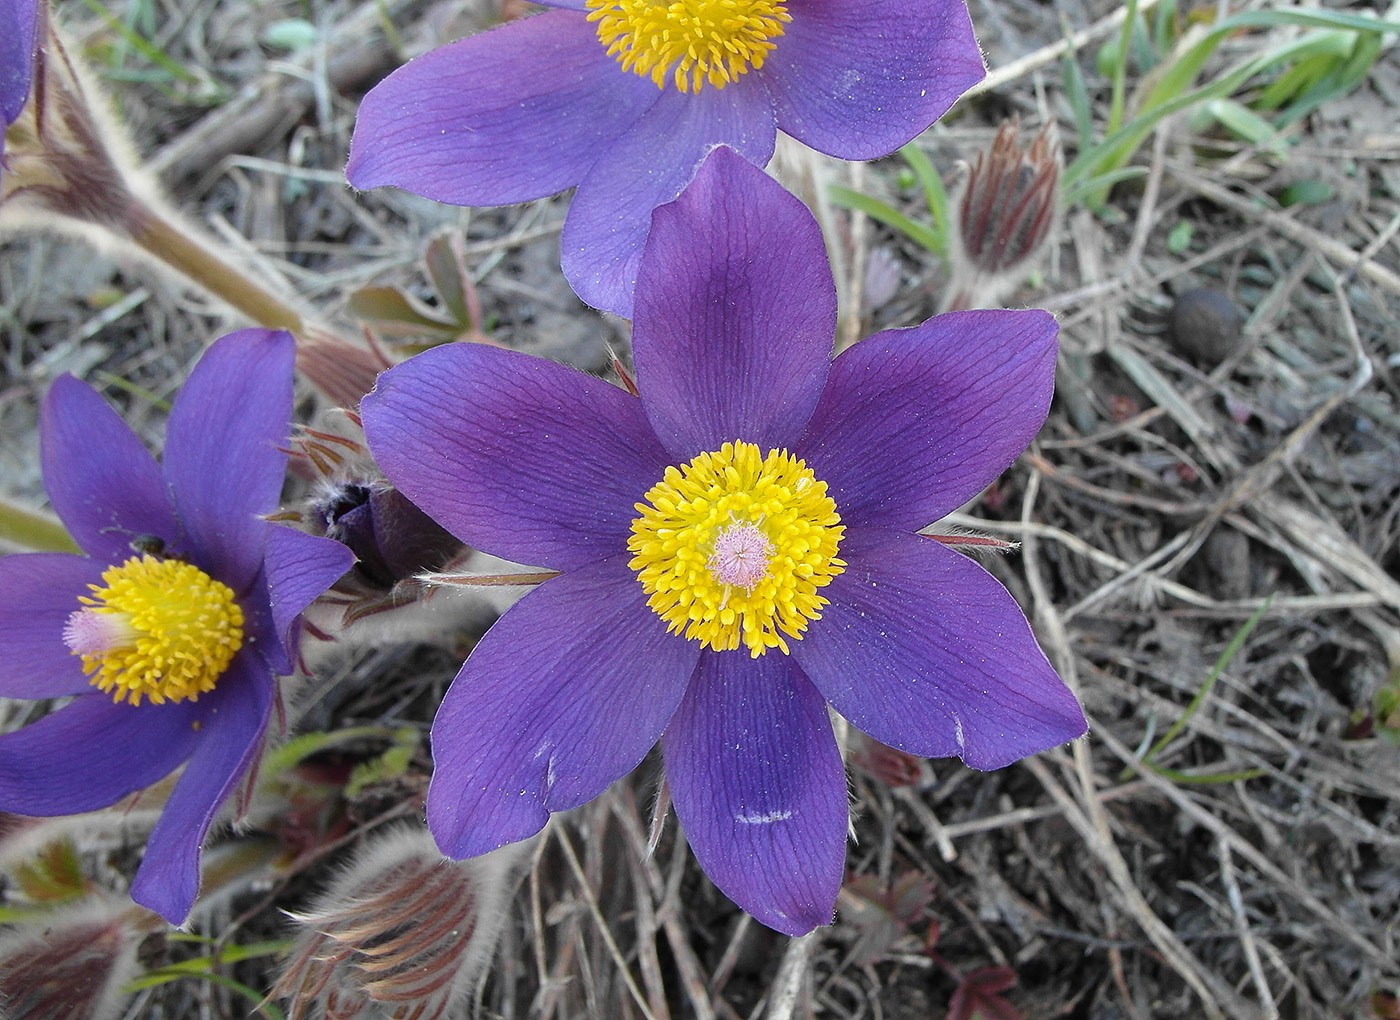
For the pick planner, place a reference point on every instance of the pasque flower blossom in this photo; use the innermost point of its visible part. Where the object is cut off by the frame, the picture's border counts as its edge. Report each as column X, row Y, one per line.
column 19, row 31
column 624, row 98
column 170, row 628
column 736, row 550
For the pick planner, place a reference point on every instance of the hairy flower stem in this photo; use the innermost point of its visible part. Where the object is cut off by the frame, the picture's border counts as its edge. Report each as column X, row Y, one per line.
column 69, row 161
column 163, row 240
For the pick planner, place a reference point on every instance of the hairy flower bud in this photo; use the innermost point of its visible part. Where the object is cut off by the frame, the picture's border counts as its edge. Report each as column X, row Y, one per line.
column 1007, row 209
column 72, row 966
column 403, row 933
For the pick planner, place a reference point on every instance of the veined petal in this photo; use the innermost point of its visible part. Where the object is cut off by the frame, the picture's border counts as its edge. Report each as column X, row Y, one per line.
column 232, row 720
column 19, row 23
column 260, row 630
column 564, row 694
column 759, row 787
column 38, row 592
column 611, row 212
column 736, row 313
column 922, row 649
column 858, row 79
column 915, row 422
column 223, row 458
column 92, row 753
column 513, row 114
column 515, row 455
column 104, row 484
column 299, row 568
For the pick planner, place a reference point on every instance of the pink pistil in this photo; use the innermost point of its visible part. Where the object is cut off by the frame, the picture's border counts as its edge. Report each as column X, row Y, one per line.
column 741, row 556
column 88, row 632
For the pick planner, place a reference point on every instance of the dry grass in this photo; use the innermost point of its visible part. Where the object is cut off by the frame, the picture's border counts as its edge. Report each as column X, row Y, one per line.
column 1162, row 505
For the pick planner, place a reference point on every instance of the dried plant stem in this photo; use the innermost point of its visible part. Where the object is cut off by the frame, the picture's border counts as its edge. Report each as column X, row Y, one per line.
column 1239, row 845
column 1285, row 224
column 668, row 914
column 1087, row 815
column 1247, row 943
column 173, row 247
column 586, row 888
column 787, row 985
column 1001, row 76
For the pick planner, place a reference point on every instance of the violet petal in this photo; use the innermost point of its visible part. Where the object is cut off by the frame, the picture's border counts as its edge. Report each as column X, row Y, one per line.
column 565, row 693
column 611, row 212
column 516, row 113
column 232, row 720
column 759, row 787
column 260, row 630
column 922, row 649
column 860, row 78
column 38, row 592
column 915, row 422
column 104, row 484
column 519, row 456
column 92, row 753
column 736, row 313
column 298, row 570
column 224, row 461
column 19, row 24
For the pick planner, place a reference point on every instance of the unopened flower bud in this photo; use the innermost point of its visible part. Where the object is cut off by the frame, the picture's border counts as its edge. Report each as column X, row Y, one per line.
column 391, row 538
column 403, row 933
column 73, row 965
column 1006, row 212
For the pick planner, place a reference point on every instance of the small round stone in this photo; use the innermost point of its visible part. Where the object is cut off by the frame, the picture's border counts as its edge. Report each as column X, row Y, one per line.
column 1204, row 325
column 1226, row 556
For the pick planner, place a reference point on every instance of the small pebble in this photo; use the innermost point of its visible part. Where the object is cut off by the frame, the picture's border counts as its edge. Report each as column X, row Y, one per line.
column 1226, row 555
column 1205, row 326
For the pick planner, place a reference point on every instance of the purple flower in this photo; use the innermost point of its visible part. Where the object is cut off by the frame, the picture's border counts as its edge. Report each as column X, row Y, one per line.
column 180, row 570
column 19, row 26
column 737, row 550
column 600, row 95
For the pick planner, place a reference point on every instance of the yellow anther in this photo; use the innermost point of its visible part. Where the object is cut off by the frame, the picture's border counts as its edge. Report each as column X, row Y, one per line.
column 692, row 41
column 161, row 629
column 733, row 546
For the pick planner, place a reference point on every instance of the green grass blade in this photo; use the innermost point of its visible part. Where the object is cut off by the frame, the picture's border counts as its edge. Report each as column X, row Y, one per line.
column 1120, row 69
column 1103, row 183
column 284, row 756
column 890, row 217
column 1077, row 93
column 140, row 44
column 1118, row 147
column 168, row 974
column 934, row 193
column 1231, row 650
column 1208, row 778
column 1166, row 96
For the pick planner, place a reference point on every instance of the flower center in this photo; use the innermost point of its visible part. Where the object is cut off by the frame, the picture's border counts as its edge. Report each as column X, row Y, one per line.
column 733, row 546
column 162, row 629
column 696, row 41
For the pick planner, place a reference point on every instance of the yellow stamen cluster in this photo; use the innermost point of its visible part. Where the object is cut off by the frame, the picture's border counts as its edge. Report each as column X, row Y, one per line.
column 161, row 629
column 763, row 523
column 694, row 41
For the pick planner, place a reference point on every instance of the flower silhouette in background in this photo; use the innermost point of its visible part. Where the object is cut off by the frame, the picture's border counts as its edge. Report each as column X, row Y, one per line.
column 19, row 34
column 170, row 629
column 737, row 549
column 624, row 98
